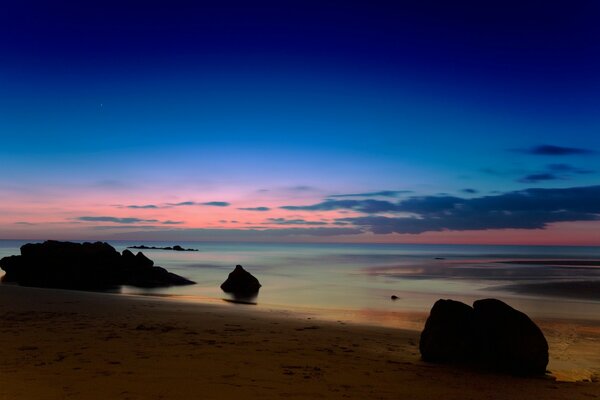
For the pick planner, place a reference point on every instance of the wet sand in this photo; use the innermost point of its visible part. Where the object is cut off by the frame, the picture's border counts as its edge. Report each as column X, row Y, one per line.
column 60, row 344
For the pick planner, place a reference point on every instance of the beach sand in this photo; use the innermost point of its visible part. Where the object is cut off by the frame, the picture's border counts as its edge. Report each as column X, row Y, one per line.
column 60, row 344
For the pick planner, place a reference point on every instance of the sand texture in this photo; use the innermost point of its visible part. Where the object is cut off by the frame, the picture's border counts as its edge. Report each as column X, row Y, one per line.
column 61, row 345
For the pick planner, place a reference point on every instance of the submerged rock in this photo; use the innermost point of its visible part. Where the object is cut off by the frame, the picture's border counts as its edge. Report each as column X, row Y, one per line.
column 241, row 282
column 490, row 334
column 84, row 266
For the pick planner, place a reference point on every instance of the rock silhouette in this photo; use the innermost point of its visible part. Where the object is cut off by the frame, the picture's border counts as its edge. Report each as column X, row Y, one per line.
column 241, row 283
column 507, row 339
column 445, row 337
column 175, row 248
column 490, row 334
column 84, row 266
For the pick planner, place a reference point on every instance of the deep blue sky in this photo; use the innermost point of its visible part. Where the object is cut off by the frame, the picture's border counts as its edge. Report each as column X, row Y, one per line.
column 339, row 97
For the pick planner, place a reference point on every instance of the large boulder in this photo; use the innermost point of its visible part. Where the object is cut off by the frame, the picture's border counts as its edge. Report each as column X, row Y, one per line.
column 445, row 337
column 507, row 339
column 83, row 266
column 241, row 282
column 492, row 334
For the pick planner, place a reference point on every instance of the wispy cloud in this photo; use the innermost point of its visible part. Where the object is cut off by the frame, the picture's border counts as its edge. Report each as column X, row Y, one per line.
column 569, row 169
column 542, row 177
column 254, row 208
column 117, row 220
column 150, row 206
column 183, row 203
column 216, row 204
column 554, row 172
column 239, row 234
column 382, row 193
column 366, row 206
column 194, row 203
column 551, row 150
column 284, row 221
column 125, row 220
column 125, row 227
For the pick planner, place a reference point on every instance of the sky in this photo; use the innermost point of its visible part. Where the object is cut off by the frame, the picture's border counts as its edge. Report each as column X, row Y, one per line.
column 328, row 121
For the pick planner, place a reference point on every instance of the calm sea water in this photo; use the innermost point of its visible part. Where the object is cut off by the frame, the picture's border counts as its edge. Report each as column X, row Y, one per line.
column 359, row 279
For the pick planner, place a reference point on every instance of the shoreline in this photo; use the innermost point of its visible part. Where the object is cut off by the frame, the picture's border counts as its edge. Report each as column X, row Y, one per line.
column 59, row 344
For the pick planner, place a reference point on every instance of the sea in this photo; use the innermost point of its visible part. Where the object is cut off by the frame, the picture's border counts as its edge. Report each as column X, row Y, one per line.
column 355, row 283
column 358, row 280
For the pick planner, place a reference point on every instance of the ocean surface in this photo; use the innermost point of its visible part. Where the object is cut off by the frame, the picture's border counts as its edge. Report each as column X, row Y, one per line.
column 356, row 281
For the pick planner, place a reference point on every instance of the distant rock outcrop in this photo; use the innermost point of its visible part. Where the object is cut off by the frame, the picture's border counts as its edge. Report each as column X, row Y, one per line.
column 84, row 266
column 490, row 334
column 175, row 248
column 241, row 282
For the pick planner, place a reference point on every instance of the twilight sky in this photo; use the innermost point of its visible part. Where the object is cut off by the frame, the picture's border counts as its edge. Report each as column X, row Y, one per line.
column 374, row 121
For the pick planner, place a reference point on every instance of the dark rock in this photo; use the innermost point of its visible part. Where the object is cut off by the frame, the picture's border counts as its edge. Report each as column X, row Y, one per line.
column 507, row 339
column 141, row 261
column 241, row 282
column 83, row 266
column 492, row 335
column 394, row 297
column 445, row 337
column 175, row 248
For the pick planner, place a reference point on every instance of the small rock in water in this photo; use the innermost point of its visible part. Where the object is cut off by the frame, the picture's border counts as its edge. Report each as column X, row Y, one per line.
column 241, row 282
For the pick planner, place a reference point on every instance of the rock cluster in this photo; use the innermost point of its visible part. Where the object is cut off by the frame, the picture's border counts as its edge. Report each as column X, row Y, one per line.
column 490, row 334
column 84, row 266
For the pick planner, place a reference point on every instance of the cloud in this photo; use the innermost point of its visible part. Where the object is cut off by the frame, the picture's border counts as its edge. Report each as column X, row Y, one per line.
column 194, row 203
column 117, row 220
column 302, row 188
column 550, row 150
column 255, row 208
column 24, row 223
column 238, row 234
column 134, row 206
column 469, row 191
column 366, row 206
column 126, row 220
column 216, row 204
column 283, row 221
column 534, row 178
column 382, row 193
column 183, row 203
column 123, row 227
column 525, row 209
column 568, row 168
column 554, row 172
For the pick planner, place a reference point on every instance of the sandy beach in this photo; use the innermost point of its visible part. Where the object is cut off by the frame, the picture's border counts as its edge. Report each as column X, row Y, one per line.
column 67, row 344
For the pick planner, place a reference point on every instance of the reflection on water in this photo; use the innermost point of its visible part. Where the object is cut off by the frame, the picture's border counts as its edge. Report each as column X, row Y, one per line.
column 241, row 300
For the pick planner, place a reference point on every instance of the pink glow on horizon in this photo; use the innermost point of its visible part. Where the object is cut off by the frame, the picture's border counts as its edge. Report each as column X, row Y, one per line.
column 54, row 212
